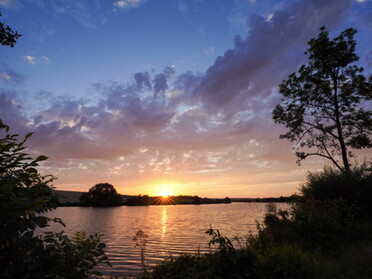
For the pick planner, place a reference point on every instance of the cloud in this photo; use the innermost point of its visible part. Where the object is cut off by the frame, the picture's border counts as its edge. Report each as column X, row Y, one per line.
column 201, row 30
column 30, row 59
column 209, row 51
column 128, row 3
column 143, row 81
column 182, row 7
column 11, row 4
column 89, row 15
column 11, row 111
column 45, row 60
column 214, row 128
column 37, row 60
column 11, row 77
column 231, row 75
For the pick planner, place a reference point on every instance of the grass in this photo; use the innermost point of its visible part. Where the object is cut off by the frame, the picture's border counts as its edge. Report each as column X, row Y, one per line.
column 326, row 234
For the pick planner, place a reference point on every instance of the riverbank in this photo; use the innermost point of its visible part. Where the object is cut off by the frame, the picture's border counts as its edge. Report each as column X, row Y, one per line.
column 71, row 198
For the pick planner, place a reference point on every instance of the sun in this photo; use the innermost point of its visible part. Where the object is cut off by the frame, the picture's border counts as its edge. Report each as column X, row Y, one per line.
column 165, row 194
column 165, row 190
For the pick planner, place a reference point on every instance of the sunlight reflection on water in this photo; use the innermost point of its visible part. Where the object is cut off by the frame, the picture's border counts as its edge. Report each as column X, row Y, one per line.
column 170, row 229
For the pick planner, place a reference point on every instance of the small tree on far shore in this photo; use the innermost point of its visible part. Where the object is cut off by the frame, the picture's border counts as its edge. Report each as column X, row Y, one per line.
column 101, row 194
column 321, row 102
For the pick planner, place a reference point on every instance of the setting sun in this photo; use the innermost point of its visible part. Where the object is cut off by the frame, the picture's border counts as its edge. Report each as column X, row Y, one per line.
column 165, row 190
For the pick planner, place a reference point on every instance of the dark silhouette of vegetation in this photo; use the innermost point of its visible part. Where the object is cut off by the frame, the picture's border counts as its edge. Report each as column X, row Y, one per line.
column 321, row 236
column 140, row 240
column 354, row 188
column 101, row 194
column 68, row 198
column 138, row 200
column 8, row 37
column 327, row 232
column 25, row 195
column 266, row 200
column 320, row 101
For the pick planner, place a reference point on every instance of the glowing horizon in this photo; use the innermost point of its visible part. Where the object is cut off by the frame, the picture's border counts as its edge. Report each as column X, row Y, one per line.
column 165, row 105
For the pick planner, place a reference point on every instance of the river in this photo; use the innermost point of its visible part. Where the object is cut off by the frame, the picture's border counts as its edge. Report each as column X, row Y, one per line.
column 171, row 229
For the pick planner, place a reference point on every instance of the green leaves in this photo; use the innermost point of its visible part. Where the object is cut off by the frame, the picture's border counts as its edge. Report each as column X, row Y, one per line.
column 221, row 242
column 25, row 195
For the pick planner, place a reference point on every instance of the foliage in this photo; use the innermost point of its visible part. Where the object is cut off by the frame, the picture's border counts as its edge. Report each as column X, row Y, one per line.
column 222, row 243
column 140, row 240
column 73, row 258
column 354, row 187
column 25, row 195
column 8, row 37
column 276, row 262
column 313, row 225
column 101, row 194
column 325, row 234
column 138, row 200
column 320, row 105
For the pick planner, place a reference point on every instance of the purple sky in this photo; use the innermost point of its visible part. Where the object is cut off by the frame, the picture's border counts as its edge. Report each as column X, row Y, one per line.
column 174, row 96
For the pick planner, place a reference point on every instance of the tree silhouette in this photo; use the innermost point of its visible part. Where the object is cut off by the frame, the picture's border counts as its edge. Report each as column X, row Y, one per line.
column 8, row 37
column 321, row 101
column 102, row 194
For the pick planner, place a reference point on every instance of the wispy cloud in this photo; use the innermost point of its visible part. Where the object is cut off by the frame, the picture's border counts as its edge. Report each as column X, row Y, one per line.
column 30, row 59
column 209, row 51
column 11, row 4
column 201, row 30
column 11, row 77
column 128, row 3
column 45, row 60
column 37, row 60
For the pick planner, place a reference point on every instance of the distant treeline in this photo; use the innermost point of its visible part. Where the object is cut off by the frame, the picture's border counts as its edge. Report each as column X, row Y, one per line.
column 279, row 199
column 69, row 199
column 147, row 200
column 143, row 200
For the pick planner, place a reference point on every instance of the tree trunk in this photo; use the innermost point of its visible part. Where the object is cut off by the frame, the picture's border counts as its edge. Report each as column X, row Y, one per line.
column 339, row 129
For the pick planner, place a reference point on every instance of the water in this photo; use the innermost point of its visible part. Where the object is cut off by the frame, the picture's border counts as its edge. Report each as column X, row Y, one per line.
column 171, row 229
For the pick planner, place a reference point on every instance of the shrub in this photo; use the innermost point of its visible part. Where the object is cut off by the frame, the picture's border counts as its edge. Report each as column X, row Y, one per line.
column 278, row 261
column 354, row 187
column 25, row 195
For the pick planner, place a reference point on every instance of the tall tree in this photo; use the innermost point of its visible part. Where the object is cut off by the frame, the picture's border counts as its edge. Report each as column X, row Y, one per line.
column 321, row 102
column 8, row 37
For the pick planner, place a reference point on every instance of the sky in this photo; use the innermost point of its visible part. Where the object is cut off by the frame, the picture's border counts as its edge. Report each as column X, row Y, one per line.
column 165, row 96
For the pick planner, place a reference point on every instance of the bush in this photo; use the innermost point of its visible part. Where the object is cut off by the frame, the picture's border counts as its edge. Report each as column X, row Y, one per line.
column 313, row 225
column 25, row 195
column 221, row 264
column 354, row 187
column 278, row 261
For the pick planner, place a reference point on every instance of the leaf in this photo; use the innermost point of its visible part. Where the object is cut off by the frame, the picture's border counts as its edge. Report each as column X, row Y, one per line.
column 41, row 158
column 26, row 138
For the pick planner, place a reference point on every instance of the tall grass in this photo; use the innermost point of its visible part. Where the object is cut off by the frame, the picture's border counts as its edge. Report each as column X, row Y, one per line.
column 326, row 234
